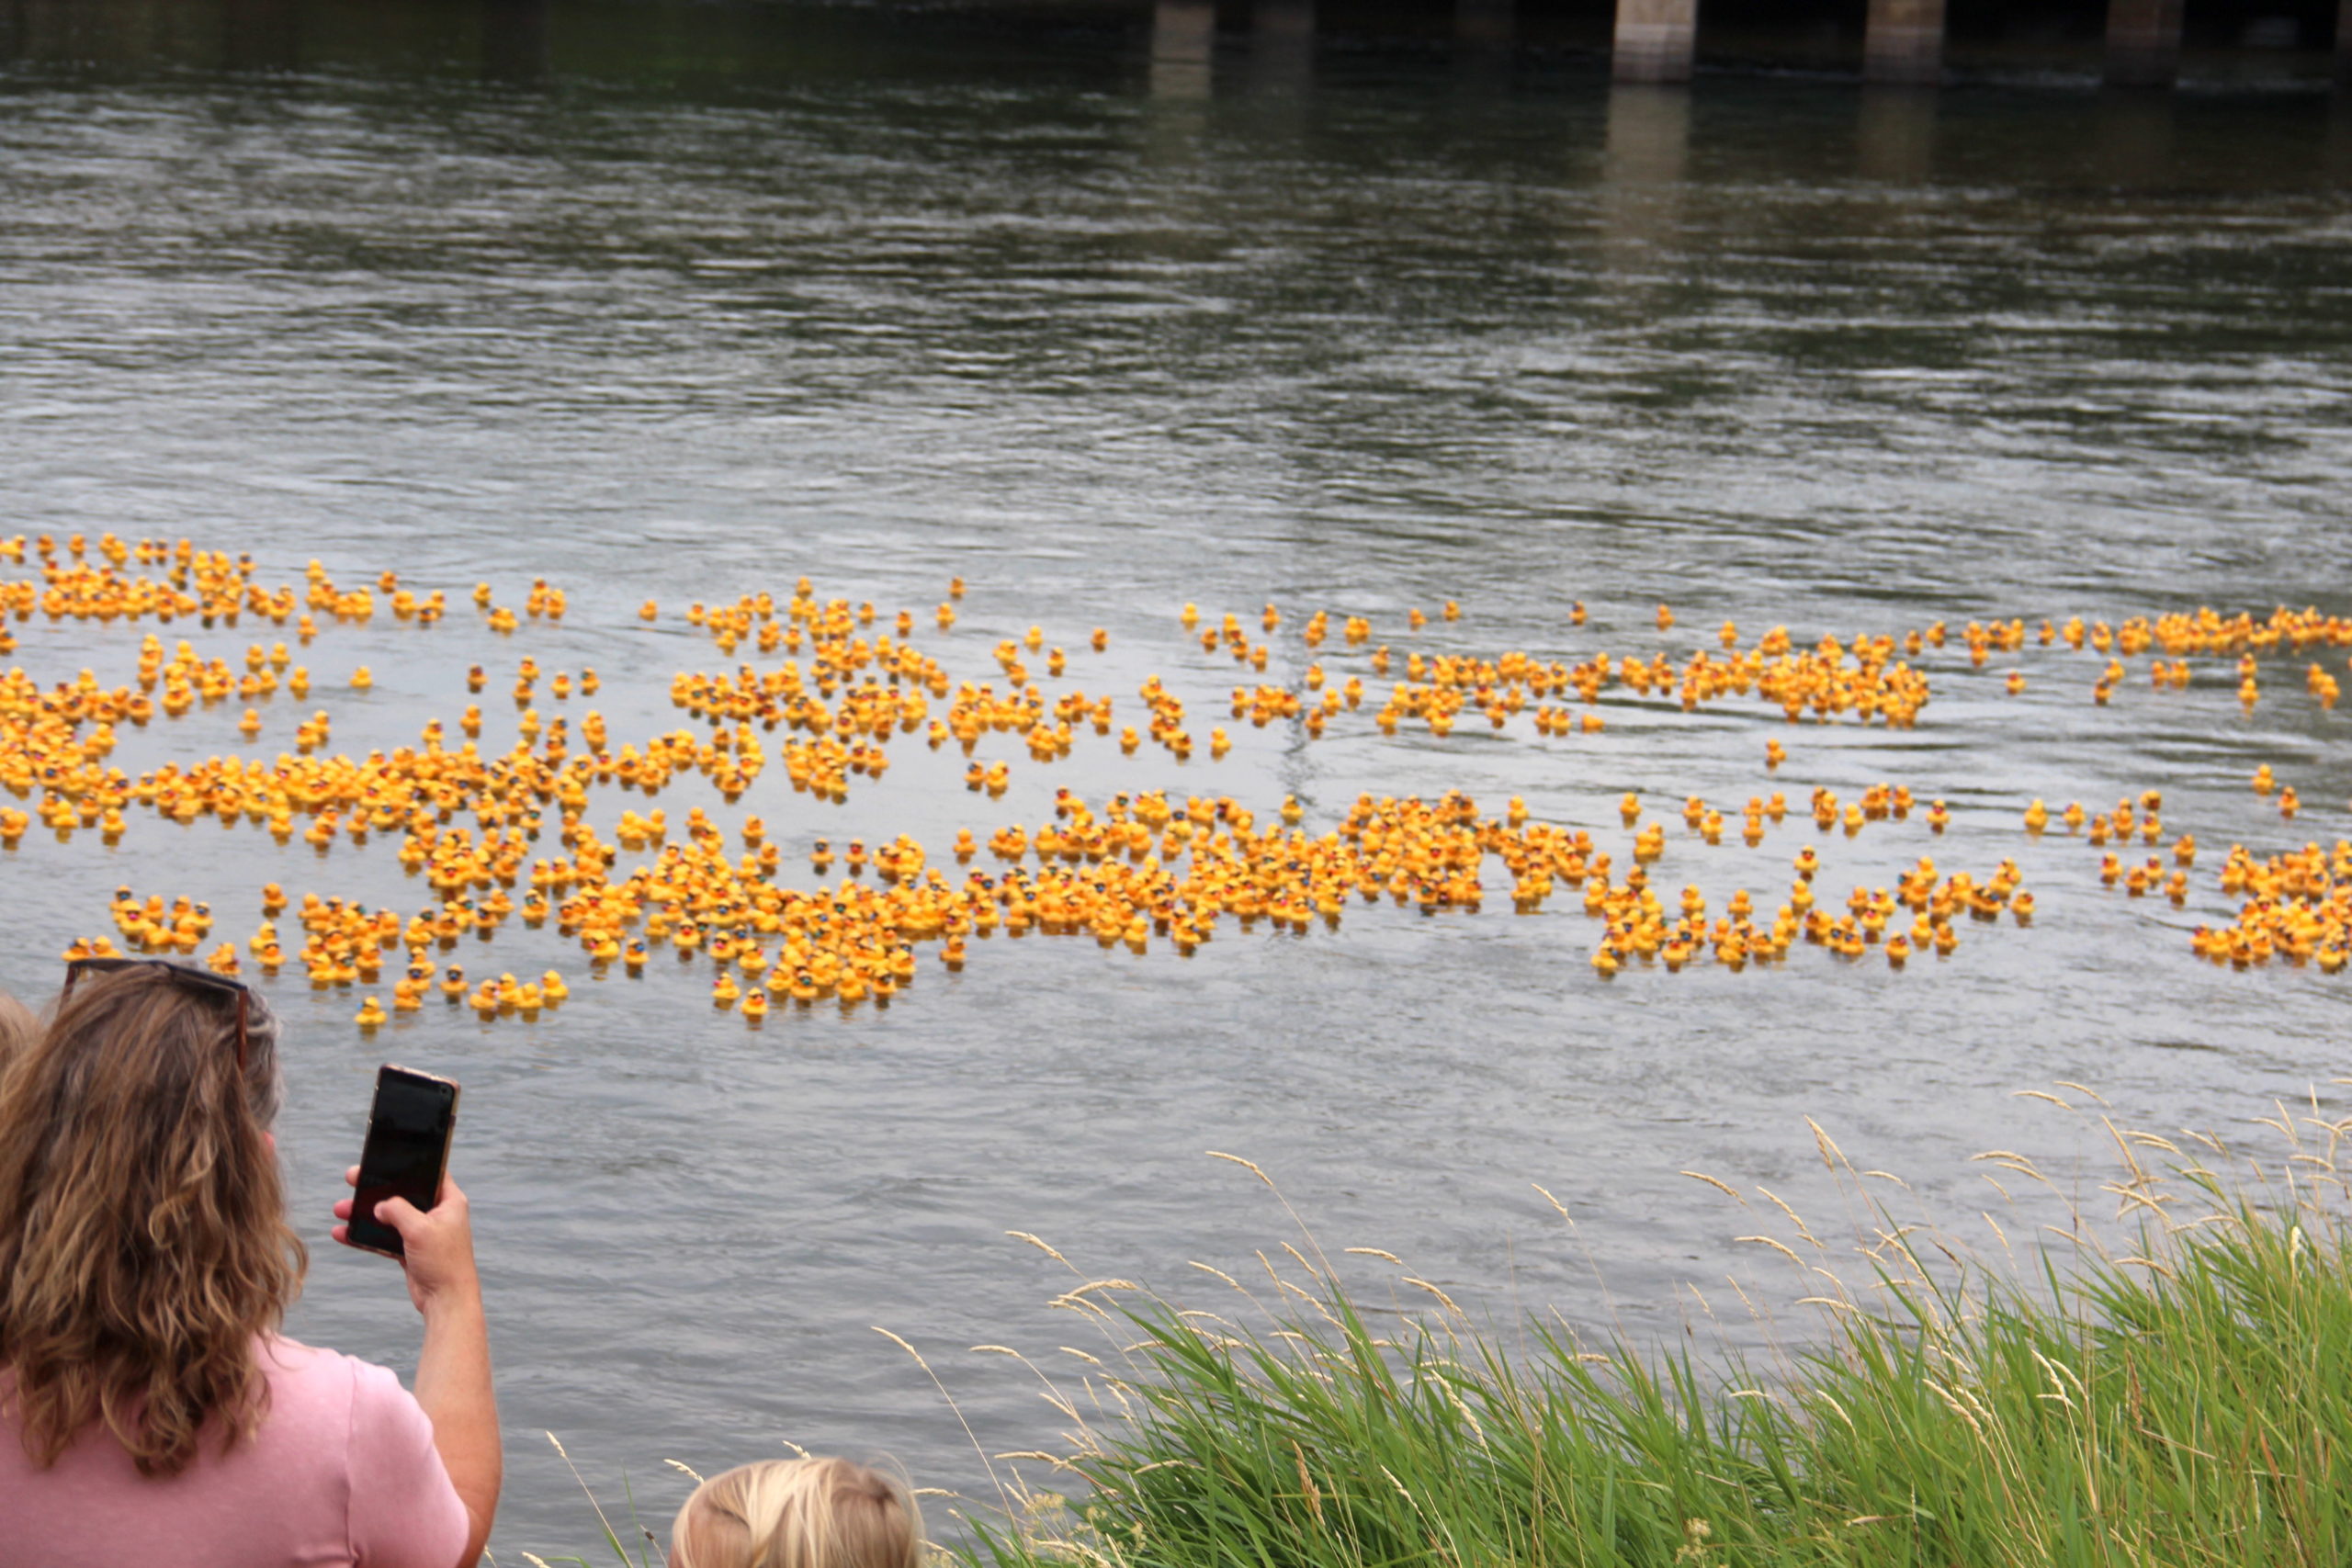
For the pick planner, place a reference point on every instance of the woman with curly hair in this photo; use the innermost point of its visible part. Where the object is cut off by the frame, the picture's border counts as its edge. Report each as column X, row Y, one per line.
column 151, row 1411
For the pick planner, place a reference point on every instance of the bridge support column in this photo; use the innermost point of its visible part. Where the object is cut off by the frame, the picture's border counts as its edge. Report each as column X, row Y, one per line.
column 2344, row 45
column 1281, row 49
column 1655, row 41
column 1288, row 21
column 2142, row 43
column 1183, row 31
column 1906, row 42
column 1184, row 42
column 1490, row 23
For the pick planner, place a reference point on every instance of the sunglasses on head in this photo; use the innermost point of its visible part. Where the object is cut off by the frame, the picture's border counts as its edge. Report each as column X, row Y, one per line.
column 194, row 979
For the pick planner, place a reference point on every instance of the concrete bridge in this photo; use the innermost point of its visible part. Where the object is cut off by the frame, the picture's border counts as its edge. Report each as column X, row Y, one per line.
column 1903, row 41
column 2137, row 43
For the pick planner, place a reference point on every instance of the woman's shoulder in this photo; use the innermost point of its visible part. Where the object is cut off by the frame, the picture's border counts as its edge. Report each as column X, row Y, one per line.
column 401, row 1506
column 310, row 1376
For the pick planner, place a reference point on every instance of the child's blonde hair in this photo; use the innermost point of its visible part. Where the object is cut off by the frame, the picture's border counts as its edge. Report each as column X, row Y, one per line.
column 799, row 1512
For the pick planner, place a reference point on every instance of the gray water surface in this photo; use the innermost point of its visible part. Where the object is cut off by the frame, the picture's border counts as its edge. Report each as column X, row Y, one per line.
column 685, row 302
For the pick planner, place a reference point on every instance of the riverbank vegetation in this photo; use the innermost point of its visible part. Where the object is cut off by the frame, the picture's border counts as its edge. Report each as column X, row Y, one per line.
column 2163, row 1384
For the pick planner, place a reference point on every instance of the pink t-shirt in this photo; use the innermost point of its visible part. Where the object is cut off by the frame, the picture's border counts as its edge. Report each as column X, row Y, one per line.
column 341, row 1473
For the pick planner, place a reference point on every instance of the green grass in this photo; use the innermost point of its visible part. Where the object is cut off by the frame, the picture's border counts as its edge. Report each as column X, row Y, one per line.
column 2175, row 1393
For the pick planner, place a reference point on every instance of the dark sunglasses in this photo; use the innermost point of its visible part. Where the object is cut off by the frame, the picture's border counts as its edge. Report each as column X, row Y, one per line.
column 194, row 979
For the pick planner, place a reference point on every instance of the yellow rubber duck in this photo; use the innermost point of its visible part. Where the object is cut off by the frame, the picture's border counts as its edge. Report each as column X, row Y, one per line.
column 371, row 1013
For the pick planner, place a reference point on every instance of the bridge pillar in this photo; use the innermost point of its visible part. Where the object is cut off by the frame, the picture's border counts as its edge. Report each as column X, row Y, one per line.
column 1183, row 31
column 1184, row 42
column 2343, row 44
column 1281, row 49
column 2142, row 43
column 1906, row 42
column 1655, row 41
column 1287, row 21
column 1490, row 23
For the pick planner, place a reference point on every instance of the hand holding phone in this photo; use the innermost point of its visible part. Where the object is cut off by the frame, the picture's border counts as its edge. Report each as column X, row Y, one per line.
column 437, row 1248
column 406, row 1158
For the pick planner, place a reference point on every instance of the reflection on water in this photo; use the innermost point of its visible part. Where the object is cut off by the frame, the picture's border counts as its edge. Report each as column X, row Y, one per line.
column 261, row 35
column 514, row 41
column 739, row 292
column 1897, row 134
column 1641, row 182
column 2135, row 136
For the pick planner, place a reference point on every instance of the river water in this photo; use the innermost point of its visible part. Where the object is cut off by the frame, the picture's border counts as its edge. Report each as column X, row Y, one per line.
column 686, row 302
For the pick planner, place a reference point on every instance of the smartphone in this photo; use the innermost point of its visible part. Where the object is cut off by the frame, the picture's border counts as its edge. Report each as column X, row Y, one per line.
column 406, row 1153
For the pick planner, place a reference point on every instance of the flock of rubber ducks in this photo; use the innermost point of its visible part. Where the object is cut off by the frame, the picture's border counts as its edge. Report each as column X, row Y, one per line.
column 505, row 837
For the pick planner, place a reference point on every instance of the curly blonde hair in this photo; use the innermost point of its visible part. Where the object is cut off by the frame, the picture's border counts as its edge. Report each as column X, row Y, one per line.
column 144, row 1242
column 799, row 1513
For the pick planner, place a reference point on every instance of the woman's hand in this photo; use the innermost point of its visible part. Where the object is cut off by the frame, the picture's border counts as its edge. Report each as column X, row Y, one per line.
column 438, row 1244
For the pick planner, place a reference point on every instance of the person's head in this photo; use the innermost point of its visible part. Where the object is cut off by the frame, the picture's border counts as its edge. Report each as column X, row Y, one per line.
column 144, row 1242
column 799, row 1512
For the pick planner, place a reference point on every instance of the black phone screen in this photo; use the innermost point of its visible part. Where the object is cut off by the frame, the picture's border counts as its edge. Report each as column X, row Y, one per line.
column 407, row 1149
